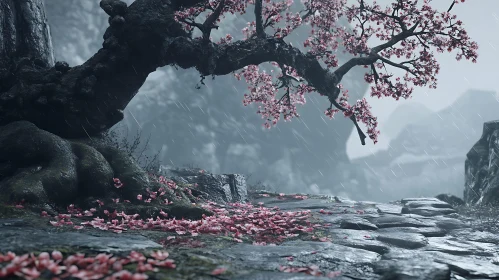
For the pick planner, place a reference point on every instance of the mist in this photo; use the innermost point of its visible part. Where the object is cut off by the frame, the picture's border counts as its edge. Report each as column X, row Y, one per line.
column 423, row 140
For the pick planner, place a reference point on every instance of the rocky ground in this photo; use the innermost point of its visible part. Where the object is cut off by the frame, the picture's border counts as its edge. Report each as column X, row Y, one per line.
column 421, row 238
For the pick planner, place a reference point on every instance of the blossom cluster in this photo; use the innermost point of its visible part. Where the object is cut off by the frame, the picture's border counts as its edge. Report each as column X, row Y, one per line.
column 410, row 31
column 101, row 266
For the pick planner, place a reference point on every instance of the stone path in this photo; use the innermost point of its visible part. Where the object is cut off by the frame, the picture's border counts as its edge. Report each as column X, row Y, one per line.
column 421, row 238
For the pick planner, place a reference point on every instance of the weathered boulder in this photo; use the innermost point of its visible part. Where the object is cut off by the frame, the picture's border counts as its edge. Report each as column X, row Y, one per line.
column 481, row 167
column 222, row 188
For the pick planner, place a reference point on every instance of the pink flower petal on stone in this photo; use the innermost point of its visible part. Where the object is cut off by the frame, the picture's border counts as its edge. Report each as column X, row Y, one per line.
column 218, row 271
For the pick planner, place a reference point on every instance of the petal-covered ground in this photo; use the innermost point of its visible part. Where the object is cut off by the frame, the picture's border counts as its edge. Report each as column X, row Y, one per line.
column 277, row 236
column 102, row 266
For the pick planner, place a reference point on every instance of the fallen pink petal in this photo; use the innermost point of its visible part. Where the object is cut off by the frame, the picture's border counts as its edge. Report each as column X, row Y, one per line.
column 218, row 271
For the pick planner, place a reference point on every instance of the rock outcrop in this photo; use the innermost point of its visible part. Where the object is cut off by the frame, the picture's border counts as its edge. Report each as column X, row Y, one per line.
column 224, row 188
column 481, row 168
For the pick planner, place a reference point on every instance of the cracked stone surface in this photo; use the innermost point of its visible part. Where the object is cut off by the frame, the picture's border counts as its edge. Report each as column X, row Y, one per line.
column 364, row 240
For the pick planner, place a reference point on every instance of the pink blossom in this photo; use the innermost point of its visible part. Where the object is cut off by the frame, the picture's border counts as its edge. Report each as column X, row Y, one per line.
column 160, row 255
column 218, row 271
column 117, row 183
column 410, row 33
column 333, row 274
column 44, row 256
column 56, row 255
column 30, row 273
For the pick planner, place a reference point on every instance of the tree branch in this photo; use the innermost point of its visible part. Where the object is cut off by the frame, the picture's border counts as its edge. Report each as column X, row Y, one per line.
column 260, row 32
column 209, row 23
column 398, row 65
column 90, row 98
column 362, row 136
column 451, row 6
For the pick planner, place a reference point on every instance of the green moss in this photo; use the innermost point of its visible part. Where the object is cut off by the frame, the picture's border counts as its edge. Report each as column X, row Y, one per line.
column 10, row 211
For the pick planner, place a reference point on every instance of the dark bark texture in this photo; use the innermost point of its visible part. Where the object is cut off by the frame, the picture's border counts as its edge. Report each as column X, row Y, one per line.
column 41, row 101
column 83, row 101
column 24, row 32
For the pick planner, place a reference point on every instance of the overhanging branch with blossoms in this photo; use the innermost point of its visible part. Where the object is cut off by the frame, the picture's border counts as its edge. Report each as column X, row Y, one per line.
column 154, row 33
column 402, row 28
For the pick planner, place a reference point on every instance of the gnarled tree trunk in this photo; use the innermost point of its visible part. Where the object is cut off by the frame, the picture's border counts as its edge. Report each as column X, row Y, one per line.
column 90, row 98
column 37, row 165
column 57, row 98
column 24, row 32
column 85, row 100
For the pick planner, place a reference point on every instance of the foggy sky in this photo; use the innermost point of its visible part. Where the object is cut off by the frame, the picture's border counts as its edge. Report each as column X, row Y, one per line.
column 481, row 20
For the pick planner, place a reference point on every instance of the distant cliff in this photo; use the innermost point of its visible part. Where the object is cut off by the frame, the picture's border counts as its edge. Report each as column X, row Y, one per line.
column 404, row 115
column 427, row 157
column 482, row 166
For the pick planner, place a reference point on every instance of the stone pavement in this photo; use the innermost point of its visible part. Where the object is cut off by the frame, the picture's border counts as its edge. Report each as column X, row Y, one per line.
column 421, row 238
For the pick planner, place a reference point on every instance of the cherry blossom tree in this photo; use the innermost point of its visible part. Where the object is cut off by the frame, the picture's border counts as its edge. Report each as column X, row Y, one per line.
column 90, row 98
column 409, row 31
column 41, row 170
